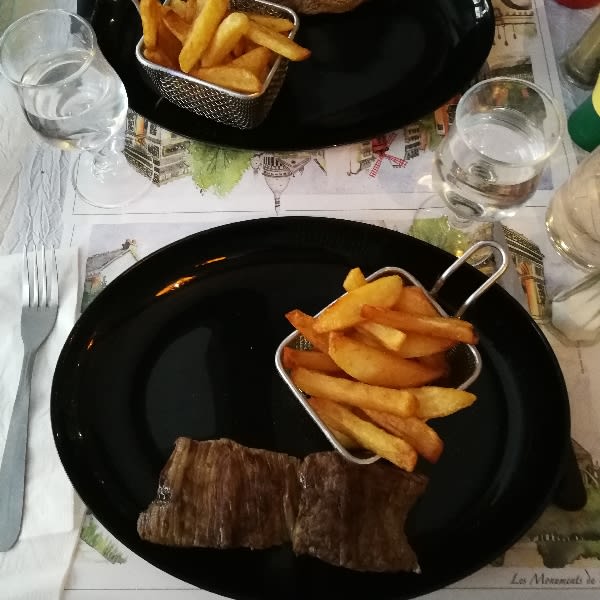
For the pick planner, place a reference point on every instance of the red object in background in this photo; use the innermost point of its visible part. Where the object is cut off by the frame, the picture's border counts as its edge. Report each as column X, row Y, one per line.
column 579, row 3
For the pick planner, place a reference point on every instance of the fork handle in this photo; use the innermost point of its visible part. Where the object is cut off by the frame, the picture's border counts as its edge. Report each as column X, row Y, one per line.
column 12, row 470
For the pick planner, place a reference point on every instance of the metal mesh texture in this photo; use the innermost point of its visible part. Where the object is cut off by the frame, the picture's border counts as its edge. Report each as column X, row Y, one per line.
column 243, row 111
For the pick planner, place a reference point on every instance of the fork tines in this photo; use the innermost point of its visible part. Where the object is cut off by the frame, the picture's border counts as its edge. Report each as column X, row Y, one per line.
column 40, row 278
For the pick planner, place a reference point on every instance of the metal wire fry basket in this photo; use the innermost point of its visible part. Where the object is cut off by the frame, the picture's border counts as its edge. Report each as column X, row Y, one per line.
column 217, row 103
column 464, row 359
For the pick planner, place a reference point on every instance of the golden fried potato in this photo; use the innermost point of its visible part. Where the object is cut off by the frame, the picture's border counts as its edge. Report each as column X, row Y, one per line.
column 158, row 57
column 439, row 360
column 179, row 7
column 169, row 44
column 346, row 311
column 202, row 31
column 275, row 23
column 418, row 434
column 150, row 13
column 354, row 279
column 417, row 345
column 354, row 393
column 257, row 60
column 377, row 366
column 228, row 34
column 178, row 26
column 414, row 300
column 388, row 337
column 371, row 437
column 444, row 327
column 236, row 79
column 279, row 43
column 309, row 359
column 305, row 324
column 435, row 401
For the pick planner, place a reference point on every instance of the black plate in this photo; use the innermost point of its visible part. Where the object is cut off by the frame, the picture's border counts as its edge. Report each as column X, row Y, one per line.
column 373, row 70
column 149, row 361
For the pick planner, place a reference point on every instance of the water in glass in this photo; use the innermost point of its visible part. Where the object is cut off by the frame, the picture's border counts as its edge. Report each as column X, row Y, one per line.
column 487, row 170
column 76, row 100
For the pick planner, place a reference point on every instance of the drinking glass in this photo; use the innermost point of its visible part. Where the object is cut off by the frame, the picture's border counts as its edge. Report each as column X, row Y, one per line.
column 490, row 162
column 73, row 99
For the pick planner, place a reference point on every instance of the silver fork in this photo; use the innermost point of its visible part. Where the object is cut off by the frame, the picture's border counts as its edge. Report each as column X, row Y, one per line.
column 38, row 316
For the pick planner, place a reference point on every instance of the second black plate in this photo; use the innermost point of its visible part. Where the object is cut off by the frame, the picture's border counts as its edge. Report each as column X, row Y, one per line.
column 183, row 344
column 372, row 70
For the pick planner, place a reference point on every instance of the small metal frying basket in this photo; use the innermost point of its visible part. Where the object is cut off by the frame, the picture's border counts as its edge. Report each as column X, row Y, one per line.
column 217, row 103
column 464, row 359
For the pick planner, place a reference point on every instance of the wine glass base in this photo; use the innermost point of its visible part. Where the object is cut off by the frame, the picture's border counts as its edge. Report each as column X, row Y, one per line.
column 436, row 224
column 115, row 189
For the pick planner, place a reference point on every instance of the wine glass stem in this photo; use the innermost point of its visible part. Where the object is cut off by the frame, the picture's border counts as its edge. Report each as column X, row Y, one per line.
column 107, row 159
column 462, row 223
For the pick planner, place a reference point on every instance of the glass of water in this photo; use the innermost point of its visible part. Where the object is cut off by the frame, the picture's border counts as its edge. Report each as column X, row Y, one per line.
column 491, row 160
column 73, row 99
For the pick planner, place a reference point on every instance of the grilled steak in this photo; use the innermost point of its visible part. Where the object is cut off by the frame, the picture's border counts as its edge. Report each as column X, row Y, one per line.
column 353, row 515
column 220, row 494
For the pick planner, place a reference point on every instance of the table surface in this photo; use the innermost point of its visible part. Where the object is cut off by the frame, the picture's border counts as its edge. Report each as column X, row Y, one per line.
column 37, row 204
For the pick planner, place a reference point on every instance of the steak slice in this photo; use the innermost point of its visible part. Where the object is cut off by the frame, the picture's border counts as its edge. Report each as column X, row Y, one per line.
column 354, row 515
column 221, row 494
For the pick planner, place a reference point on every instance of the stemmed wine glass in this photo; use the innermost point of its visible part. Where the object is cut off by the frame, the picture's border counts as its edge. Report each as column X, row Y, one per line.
column 73, row 99
column 490, row 163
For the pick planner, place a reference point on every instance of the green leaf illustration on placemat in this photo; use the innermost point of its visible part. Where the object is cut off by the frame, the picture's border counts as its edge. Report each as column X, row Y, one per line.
column 218, row 169
column 438, row 232
column 99, row 541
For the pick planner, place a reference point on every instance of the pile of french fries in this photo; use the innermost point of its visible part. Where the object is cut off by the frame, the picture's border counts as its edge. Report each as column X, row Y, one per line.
column 375, row 353
column 205, row 39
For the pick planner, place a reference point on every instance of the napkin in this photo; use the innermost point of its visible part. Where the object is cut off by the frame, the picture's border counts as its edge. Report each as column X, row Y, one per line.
column 35, row 568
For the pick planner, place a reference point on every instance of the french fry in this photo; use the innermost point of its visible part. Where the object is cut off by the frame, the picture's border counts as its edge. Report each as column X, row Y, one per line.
column 309, row 359
column 445, row 327
column 279, row 43
column 232, row 78
column 275, row 23
column 257, row 61
column 178, row 26
column 228, row 34
column 413, row 300
column 240, row 48
column 203, row 29
column 169, row 44
column 346, row 311
column 179, row 7
column 150, row 13
column 434, row 401
column 344, row 439
column 354, row 279
column 388, row 337
column 417, row 345
column 439, row 360
column 305, row 324
column 418, row 434
column 354, row 393
column 191, row 10
column 371, row 437
column 377, row 366
column 158, row 57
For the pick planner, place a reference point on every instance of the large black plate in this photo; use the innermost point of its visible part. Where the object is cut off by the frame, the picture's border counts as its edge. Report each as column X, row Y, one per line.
column 144, row 365
column 373, row 70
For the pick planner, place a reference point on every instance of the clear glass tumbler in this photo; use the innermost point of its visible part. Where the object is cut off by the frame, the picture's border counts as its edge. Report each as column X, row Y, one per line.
column 573, row 215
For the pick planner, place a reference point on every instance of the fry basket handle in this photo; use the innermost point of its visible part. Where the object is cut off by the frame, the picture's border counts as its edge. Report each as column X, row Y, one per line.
column 484, row 286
